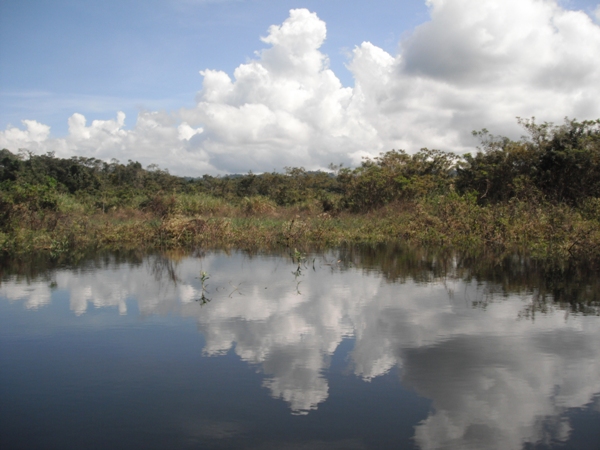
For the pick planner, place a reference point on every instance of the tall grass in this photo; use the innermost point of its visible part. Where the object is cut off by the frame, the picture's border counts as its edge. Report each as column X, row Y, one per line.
column 546, row 231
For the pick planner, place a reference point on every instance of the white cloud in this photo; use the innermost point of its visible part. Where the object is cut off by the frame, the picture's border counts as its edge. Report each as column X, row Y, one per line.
column 474, row 64
column 186, row 132
column 33, row 134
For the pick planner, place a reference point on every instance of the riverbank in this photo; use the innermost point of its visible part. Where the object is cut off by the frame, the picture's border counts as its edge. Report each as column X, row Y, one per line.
column 559, row 234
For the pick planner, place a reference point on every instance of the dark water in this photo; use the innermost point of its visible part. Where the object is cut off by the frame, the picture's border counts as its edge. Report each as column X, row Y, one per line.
column 353, row 349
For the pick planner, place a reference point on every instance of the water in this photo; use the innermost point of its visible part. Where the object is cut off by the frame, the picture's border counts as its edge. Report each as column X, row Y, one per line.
column 352, row 349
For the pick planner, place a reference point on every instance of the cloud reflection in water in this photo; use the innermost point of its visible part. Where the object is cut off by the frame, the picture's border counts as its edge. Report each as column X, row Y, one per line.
column 496, row 378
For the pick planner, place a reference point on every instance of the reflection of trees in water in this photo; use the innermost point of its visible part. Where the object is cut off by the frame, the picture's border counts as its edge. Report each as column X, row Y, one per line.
column 396, row 262
column 573, row 288
column 35, row 268
column 164, row 268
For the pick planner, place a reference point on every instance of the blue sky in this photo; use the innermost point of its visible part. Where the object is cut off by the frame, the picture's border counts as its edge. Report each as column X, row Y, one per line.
column 61, row 57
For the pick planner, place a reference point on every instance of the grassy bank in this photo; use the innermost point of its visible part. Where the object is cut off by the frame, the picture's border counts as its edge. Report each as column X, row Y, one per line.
column 558, row 233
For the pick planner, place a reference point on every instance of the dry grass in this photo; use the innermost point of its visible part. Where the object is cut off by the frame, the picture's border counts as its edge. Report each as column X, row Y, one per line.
column 545, row 232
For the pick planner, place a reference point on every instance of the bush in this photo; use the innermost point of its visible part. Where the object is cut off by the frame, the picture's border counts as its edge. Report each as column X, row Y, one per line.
column 394, row 176
column 556, row 163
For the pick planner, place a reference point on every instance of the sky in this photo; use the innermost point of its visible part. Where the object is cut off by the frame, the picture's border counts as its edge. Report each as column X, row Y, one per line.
column 228, row 86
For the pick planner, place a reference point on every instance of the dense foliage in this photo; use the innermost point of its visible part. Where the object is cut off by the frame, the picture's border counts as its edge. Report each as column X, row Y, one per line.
column 541, row 193
column 554, row 163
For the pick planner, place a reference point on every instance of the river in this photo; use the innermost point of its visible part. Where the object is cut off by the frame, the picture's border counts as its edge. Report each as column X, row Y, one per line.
column 365, row 348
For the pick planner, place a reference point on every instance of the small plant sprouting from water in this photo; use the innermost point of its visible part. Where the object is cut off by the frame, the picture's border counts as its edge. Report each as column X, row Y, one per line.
column 203, row 279
column 298, row 258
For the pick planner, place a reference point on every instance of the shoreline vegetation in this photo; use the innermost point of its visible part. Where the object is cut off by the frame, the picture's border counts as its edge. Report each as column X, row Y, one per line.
column 538, row 197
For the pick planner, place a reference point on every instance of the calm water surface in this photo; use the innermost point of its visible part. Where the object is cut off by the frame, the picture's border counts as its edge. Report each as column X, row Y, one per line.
column 344, row 350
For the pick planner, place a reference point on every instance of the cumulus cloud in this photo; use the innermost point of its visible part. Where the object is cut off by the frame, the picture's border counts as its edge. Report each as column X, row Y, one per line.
column 474, row 64
column 34, row 134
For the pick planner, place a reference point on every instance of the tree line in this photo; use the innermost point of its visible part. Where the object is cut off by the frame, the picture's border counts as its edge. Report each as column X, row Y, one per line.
column 552, row 163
